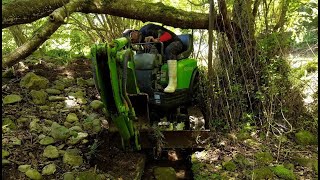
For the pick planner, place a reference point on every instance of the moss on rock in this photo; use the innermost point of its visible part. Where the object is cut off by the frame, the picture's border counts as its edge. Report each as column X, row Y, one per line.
column 33, row 81
column 33, row 174
column 241, row 160
column 51, row 152
column 262, row 173
column 39, row 97
column 229, row 166
column 72, row 157
column 9, row 123
column 10, row 99
column 283, row 172
column 59, row 132
column 305, row 138
column 263, row 158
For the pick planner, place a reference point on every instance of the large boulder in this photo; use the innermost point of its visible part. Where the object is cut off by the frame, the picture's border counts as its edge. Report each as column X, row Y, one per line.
column 39, row 97
column 33, row 81
column 12, row 98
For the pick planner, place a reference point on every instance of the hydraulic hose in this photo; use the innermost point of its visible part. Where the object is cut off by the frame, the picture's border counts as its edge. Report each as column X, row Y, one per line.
column 124, row 78
column 124, row 89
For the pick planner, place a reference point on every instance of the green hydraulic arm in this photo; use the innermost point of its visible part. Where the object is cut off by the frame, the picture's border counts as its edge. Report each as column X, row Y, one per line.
column 111, row 62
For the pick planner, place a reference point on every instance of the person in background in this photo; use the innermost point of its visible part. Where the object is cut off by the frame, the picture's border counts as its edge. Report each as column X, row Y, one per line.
column 172, row 47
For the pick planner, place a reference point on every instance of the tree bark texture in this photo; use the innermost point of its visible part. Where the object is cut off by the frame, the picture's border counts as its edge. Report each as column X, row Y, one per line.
column 18, row 35
column 27, row 11
column 56, row 19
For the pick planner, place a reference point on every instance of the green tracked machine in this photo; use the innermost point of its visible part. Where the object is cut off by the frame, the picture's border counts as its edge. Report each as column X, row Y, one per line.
column 130, row 79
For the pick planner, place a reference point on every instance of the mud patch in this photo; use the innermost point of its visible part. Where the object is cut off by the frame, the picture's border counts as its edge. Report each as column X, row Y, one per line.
column 179, row 160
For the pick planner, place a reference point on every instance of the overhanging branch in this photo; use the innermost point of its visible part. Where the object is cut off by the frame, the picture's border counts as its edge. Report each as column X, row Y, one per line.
column 27, row 11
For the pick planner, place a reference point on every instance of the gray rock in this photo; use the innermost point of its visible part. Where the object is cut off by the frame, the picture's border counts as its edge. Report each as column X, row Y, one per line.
column 96, row 125
column 44, row 108
column 33, row 81
column 34, row 126
column 5, row 153
column 68, row 81
column 12, row 98
column 67, row 124
column 49, row 169
column 5, row 162
column 90, row 82
column 72, row 157
column 24, row 168
column 33, row 174
column 72, row 117
column 41, row 136
column 68, row 176
column 78, row 93
column 15, row 141
column 57, row 98
column 45, row 129
column 59, row 132
column 39, row 97
column 47, row 140
column 96, row 104
column 9, row 123
column 76, row 128
column 53, row 91
column 82, row 100
column 22, row 120
column 48, row 122
column 59, row 85
column 51, row 152
column 75, row 140
column 81, row 82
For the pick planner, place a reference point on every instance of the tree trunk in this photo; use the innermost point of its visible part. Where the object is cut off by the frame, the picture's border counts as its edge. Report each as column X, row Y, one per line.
column 56, row 19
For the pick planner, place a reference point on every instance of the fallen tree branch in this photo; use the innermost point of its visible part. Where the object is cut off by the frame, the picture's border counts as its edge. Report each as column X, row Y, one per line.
column 27, row 11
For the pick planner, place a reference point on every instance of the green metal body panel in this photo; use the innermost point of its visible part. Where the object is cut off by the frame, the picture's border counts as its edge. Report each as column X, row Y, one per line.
column 185, row 68
column 113, row 56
